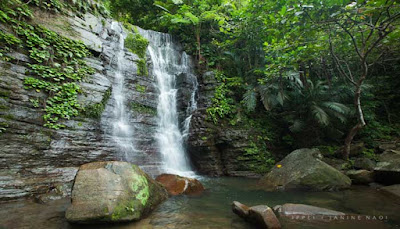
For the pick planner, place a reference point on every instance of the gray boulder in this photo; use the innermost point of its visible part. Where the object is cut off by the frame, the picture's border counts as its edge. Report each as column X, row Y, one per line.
column 387, row 170
column 364, row 163
column 113, row 192
column 304, row 169
column 360, row 176
column 304, row 210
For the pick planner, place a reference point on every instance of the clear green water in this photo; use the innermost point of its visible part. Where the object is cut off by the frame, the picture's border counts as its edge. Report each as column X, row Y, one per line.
column 213, row 209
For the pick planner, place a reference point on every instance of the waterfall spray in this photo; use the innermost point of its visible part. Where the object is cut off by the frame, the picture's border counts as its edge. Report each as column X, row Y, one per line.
column 121, row 131
column 168, row 63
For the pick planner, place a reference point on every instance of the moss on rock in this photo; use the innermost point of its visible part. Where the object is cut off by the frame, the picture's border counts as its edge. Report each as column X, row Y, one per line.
column 113, row 192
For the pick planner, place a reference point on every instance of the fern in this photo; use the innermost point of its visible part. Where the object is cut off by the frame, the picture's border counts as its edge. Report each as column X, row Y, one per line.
column 320, row 115
column 250, row 99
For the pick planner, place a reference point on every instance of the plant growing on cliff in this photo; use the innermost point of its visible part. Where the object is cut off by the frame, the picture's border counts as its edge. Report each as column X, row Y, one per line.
column 137, row 44
column 257, row 158
column 57, row 65
column 223, row 105
column 95, row 110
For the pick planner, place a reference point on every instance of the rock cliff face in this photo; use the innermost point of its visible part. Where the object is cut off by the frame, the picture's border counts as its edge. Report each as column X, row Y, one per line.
column 219, row 149
column 34, row 158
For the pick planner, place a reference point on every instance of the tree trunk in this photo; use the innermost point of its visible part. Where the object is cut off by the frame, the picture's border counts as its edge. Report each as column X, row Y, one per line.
column 360, row 116
column 198, row 41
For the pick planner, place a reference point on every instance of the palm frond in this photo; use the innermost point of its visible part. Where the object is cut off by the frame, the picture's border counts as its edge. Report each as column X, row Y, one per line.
column 250, row 99
column 337, row 107
column 320, row 115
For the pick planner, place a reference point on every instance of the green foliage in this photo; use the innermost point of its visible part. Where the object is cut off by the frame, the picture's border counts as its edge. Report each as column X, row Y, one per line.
column 142, row 67
column 140, row 88
column 77, row 6
column 7, row 41
column 257, row 158
column 328, row 150
column 370, row 153
column 223, row 104
column 295, row 63
column 58, row 63
column 96, row 110
column 35, row 102
column 143, row 109
column 52, row 5
column 136, row 44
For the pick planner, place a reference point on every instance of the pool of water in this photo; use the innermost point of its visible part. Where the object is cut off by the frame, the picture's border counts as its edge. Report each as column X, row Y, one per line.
column 213, row 209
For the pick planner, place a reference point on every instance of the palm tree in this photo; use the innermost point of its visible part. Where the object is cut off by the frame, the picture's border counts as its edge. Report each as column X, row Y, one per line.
column 302, row 107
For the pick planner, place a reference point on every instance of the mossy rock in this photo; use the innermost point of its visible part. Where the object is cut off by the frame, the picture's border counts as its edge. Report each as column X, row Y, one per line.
column 113, row 192
column 303, row 169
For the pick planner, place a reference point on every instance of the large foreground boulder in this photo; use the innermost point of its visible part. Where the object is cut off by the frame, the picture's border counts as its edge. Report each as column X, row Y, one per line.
column 113, row 192
column 178, row 185
column 303, row 169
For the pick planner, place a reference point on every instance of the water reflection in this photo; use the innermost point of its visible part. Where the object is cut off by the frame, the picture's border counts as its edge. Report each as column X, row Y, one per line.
column 213, row 210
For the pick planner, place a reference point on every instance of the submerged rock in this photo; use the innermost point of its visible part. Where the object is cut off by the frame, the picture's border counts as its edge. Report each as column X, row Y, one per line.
column 393, row 191
column 304, row 210
column 360, row 176
column 177, row 185
column 307, row 216
column 113, row 192
column 303, row 169
column 261, row 215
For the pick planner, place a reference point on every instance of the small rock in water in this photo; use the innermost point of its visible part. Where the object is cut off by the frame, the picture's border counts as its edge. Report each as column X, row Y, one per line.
column 240, row 209
column 264, row 216
column 261, row 215
column 178, row 185
column 113, row 191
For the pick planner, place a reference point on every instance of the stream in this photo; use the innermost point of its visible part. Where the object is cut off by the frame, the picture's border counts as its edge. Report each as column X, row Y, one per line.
column 213, row 209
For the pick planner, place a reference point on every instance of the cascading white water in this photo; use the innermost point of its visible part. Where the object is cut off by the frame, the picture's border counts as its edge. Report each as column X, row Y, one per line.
column 168, row 63
column 121, row 131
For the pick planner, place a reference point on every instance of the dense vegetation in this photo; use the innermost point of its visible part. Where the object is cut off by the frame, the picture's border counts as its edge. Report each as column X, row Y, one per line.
column 57, row 63
column 299, row 73
column 319, row 72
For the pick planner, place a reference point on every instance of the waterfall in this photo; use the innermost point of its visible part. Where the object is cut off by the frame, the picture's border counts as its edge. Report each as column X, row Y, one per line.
column 121, row 130
column 168, row 63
